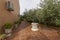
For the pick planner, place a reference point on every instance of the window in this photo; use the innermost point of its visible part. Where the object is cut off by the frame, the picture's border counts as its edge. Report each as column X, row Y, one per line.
column 9, row 6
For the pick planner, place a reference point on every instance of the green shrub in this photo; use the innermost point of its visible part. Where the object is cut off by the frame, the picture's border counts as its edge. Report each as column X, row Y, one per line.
column 21, row 18
column 57, row 22
column 48, row 15
column 8, row 25
column 16, row 22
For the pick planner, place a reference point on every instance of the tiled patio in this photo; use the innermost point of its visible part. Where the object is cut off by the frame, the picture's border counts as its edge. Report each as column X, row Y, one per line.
column 44, row 33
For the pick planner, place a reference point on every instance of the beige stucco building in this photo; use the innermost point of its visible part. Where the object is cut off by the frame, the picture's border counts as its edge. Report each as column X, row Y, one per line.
column 6, row 15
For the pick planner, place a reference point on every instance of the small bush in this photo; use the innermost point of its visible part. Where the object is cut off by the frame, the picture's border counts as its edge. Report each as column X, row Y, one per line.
column 16, row 22
column 21, row 17
column 8, row 25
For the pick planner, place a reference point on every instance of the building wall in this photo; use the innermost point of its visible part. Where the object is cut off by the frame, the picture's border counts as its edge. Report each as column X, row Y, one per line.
column 5, row 15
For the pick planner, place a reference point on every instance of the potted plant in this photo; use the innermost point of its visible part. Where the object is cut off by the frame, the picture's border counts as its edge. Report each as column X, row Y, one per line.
column 16, row 24
column 8, row 28
column 34, row 24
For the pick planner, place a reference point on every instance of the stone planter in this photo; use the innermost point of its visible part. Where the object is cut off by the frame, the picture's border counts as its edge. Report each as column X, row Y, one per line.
column 8, row 32
column 16, row 25
column 34, row 27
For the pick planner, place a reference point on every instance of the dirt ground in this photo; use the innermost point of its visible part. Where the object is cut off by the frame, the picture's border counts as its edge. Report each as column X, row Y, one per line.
column 24, row 32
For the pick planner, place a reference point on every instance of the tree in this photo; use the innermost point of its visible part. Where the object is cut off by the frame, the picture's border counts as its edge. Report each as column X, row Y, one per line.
column 49, row 13
column 51, row 10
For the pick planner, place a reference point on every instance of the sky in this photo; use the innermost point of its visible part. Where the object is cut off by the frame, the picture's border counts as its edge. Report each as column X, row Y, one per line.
column 28, row 4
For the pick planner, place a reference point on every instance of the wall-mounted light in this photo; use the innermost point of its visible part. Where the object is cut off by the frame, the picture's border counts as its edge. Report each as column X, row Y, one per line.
column 9, row 6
